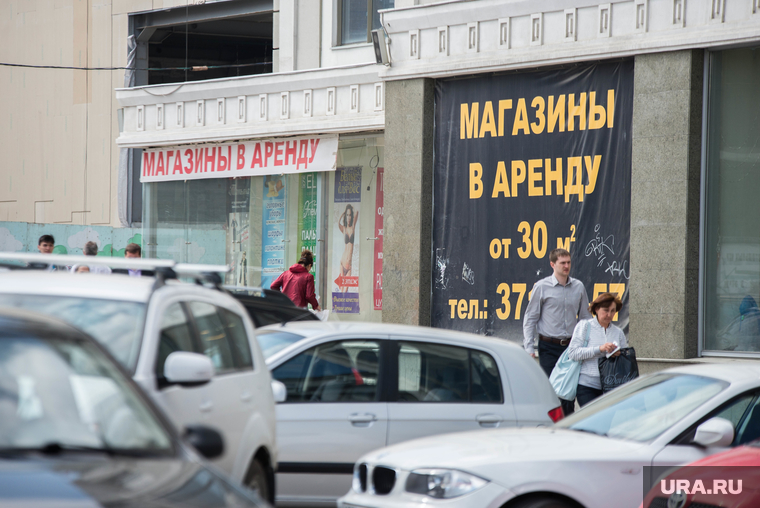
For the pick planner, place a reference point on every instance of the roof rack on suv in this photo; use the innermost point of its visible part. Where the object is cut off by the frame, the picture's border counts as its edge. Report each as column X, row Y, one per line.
column 164, row 269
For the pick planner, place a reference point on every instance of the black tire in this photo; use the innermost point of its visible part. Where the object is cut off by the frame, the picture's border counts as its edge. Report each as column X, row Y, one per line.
column 257, row 480
column 542, row 502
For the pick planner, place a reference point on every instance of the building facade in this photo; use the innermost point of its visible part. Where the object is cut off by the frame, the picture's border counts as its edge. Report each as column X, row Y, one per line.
column 243, row 131
column 281, row 150
column 497, row 81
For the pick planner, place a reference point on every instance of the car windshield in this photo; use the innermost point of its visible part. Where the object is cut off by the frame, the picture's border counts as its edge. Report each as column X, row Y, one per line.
column 117, row 325
column 67, row 395
column 644, row 408
column 272, row 341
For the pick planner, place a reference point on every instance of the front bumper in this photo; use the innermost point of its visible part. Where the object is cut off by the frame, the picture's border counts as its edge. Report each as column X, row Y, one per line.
column 490, row 496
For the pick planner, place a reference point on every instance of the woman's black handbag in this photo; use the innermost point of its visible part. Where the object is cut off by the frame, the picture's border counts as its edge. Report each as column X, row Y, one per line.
column 617, row 370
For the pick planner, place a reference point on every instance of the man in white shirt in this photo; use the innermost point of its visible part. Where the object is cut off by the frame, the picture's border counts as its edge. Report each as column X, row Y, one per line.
column 557, row 303
column 133, row 251
column 91, row 249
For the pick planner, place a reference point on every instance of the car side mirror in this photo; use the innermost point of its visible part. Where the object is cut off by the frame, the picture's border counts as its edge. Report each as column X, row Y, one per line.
column 207, row 441
column 714, row 432
column 188, row 369
column 279, row 391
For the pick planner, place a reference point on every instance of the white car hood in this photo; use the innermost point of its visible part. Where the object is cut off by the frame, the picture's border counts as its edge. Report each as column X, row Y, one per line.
column 484, row 451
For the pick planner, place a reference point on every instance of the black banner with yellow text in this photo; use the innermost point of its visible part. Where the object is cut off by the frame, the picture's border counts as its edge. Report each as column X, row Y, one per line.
column 526, row 163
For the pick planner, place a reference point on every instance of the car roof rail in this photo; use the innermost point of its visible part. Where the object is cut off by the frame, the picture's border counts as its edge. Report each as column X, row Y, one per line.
column 203, row 274
column 164, row 269
column 38, row 260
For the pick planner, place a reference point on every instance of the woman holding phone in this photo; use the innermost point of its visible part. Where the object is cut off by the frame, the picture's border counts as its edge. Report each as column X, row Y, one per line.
column 603, row 338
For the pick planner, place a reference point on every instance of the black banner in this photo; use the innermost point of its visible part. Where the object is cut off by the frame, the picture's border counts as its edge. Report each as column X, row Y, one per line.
column 526, row 163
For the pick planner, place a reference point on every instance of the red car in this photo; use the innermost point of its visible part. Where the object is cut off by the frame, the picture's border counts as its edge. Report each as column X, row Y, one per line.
column 727, row 480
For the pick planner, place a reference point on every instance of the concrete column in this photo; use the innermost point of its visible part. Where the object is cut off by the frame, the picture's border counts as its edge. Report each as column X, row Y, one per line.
column 408, row 205
column 667, row 140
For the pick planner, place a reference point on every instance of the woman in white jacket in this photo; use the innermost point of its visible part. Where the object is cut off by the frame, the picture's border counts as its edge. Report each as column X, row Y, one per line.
column 603, row 338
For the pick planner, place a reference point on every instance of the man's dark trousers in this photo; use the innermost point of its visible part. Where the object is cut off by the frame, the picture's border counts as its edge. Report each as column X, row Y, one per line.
column 548, row 354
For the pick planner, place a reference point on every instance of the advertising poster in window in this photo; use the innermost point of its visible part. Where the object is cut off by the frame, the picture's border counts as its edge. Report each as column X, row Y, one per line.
column 238, row 229
column 307, row 217
column 273, row 230
column 377, row 291
column 345, row 234
column 526, row 163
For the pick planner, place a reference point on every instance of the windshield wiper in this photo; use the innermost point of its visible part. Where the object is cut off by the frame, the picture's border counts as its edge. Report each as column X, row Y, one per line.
column 56, row 448
column 603, row 434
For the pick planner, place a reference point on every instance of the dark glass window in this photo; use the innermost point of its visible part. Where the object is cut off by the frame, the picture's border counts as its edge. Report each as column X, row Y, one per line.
column 438, row 373
column 732, row 242
column 175, row 336
column 345, row 371
column 213, row 337
column 359, row 17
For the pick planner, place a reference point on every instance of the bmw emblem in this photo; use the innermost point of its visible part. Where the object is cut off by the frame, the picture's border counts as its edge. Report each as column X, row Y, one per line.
column 677, row 499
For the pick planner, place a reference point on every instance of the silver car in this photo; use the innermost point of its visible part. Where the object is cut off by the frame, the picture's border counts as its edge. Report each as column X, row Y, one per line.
column 355, row 387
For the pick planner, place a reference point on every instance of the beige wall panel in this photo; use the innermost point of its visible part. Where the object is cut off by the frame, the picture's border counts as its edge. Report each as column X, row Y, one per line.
column 60, row 171
column 24, row 6
column 79, row 157
column 98, row 169
column 100, row 137
column 6, row 130
column 80, row 49
column 308, row 34
column 8, row 211
column 119, row 33
column 31, row 28
column 127, row 6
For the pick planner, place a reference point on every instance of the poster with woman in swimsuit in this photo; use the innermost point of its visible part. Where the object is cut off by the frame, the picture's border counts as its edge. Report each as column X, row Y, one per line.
column 345, row 241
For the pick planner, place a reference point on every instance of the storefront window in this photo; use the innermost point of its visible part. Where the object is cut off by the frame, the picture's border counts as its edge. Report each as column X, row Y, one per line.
column 259, row 226
column 732, row 235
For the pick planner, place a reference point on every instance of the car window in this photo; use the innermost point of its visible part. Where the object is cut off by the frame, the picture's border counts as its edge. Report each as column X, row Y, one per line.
column 117, row 325
column 214, row 342
column 70, row 393
column 486, row 383
column 744, row 414
column 433, row 373
column 235, row 329
column 440, row 373
column 272, row 341
column 748, row 428
column 644, row 408
column 175, row 336
column 341, row 371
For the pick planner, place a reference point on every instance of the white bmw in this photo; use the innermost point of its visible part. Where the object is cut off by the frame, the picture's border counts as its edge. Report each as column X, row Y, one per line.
column 598, row 457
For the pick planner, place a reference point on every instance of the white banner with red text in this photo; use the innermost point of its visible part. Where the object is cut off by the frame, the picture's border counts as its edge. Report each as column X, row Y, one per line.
column 250, row 158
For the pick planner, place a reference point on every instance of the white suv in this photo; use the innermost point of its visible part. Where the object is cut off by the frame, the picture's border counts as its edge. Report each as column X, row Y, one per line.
column 190, row 347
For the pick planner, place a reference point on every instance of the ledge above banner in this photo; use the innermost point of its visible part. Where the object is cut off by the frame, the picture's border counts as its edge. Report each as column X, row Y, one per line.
column 249, row 158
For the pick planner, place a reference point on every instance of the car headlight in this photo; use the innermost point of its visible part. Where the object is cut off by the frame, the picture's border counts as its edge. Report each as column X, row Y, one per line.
column 442, row 483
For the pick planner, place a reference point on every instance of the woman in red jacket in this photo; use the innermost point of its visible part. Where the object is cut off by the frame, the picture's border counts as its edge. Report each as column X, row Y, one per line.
column 297, row 283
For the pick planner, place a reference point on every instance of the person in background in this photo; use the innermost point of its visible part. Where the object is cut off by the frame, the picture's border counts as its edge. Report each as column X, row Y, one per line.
column 45, row 245
column 603, row 338
column 297, row 283
column 557, row 302
column 91, row 249
column 133, row 251
column 82, row 269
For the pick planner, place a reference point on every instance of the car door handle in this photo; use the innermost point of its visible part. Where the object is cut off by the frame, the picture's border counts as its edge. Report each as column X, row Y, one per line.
column 206, row 406
column 362, row 419
column 246, row 396
column 489, row 420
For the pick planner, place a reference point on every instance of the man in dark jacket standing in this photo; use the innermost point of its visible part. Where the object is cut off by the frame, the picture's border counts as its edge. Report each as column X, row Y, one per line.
column 297, row 283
